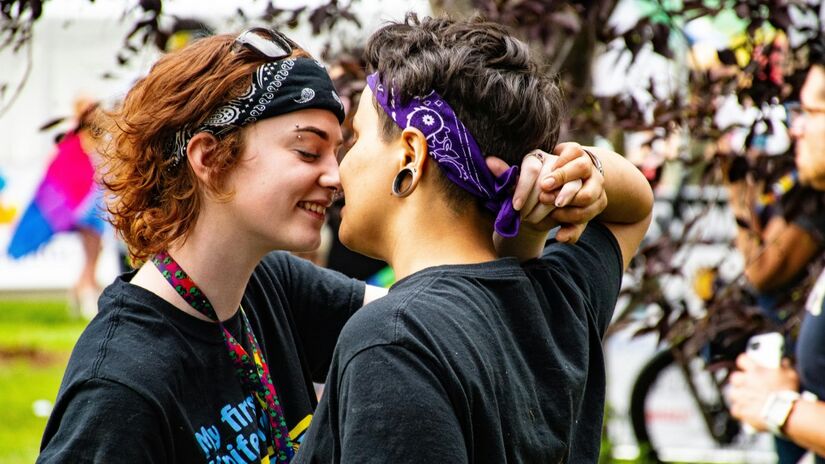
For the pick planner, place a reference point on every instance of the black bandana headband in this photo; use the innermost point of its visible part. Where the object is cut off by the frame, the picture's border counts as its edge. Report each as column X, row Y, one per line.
column 277, row 88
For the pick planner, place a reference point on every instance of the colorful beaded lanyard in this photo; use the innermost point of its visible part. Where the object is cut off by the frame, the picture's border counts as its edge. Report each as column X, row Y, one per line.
column 252, row 370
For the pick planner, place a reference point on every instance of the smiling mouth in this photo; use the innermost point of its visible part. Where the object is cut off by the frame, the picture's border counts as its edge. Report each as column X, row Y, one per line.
column 312, row 207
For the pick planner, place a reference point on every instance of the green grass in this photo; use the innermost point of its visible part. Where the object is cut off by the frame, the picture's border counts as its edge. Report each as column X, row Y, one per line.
column 36, row 338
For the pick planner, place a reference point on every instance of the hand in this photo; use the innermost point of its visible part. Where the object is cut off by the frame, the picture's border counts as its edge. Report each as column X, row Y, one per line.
column 537, row 165
column 535, row 220
column 751, row 386
column 574, row 209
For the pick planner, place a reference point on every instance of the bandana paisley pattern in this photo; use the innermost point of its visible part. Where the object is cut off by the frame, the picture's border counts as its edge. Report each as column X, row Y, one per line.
column 455, row 150
column 251, row 369
column 278, row 87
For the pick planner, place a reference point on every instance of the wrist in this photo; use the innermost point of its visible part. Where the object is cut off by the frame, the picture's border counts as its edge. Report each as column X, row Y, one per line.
column 778, row 407
column 535, row 231
column 528, row 244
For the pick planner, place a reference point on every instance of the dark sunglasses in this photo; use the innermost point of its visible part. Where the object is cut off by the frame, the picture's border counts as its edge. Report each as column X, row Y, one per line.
column 266, row 42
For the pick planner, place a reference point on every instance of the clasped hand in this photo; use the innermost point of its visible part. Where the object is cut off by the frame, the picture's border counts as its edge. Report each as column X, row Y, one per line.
column 560, row 189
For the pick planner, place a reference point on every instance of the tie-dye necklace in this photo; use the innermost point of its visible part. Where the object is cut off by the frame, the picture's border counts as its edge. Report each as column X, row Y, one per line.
column 252, row 371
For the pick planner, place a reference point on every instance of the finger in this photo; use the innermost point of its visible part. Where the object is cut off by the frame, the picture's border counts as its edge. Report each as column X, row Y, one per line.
column 570, row 233
column 580, row 215
column 535, row 189
column 530, row 170
column 745, row 362
column 567, row 151
column 579, row 168
column 548, row 198
column 568, row 191
column 736, row 379
column 538, row 213
column 496, row 165
column 572, row 215
column 590, row 192
column 735, row 409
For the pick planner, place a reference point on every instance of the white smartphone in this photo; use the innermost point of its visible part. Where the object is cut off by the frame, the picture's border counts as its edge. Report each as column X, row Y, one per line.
column 766, row 349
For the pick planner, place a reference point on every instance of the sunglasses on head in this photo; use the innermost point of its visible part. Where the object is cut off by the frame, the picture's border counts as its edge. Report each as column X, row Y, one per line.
column 266, row 42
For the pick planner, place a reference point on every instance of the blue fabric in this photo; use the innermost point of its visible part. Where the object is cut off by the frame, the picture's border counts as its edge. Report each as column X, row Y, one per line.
column 810, row 353
column 810, row 347
column 93, row 216
column 32, row 232
column 787, row 452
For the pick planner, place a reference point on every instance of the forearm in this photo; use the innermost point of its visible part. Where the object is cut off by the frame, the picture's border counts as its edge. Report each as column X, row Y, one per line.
column 629, row 196
column 804, row 425
column 527, row 245
column 759, row 263
column 782, row 255
column 765, row 268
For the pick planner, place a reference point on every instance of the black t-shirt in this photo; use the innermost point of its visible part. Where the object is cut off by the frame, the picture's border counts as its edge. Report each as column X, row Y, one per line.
column 487, row 363
column 810, row 347
column 149, row 383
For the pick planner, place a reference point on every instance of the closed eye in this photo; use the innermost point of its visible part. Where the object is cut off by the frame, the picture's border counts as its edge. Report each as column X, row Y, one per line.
column 307, row 155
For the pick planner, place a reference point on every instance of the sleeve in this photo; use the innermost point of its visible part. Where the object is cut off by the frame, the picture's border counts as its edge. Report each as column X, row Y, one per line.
column 594, row 265
column 389, row 406
column 814, row 225
column 321, row 302
column 103, row 421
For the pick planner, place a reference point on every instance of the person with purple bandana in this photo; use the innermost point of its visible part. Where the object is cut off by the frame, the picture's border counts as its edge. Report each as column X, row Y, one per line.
column 217, row 162
column 470, row 357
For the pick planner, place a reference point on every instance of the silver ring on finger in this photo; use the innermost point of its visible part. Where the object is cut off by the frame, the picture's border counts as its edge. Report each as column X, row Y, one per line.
column 536, row 154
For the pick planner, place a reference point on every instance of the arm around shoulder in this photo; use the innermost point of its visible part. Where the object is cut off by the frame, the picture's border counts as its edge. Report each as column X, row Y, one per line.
column 629, row 202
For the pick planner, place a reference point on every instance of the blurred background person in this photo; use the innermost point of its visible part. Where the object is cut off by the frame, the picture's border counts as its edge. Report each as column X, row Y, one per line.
column 789, row 401
column 68, row 199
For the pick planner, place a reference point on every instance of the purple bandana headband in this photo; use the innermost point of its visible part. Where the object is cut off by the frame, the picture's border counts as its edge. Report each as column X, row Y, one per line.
column 452, row 146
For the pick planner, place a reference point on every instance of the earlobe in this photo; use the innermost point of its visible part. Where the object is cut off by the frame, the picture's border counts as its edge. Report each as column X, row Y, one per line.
column 199, row 154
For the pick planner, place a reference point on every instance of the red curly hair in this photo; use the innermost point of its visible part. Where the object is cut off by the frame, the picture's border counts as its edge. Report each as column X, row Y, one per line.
column 153, row 203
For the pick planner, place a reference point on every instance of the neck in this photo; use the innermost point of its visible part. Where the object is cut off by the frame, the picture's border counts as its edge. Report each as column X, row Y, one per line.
column 447, row 238
column 218, row 266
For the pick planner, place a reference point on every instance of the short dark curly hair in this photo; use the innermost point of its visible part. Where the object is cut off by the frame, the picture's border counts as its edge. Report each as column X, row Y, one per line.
column 498, row 89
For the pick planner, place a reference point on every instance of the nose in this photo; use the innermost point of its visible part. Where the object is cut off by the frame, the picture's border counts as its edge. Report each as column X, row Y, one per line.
column 797, row 127
column 330, row 177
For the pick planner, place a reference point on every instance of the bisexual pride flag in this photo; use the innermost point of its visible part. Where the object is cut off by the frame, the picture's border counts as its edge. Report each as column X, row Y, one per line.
column 65, row 199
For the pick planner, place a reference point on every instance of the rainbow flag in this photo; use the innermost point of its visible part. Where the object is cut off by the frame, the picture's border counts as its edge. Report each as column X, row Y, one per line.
column 65, row 198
